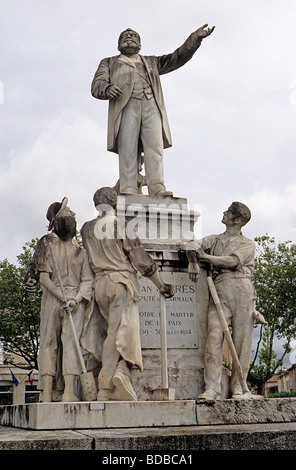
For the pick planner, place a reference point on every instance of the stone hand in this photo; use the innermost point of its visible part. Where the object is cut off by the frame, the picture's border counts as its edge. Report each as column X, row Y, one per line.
column 203, row 32
column 113, row 92
column 193, row 271
column 70, row 306
column 167, row 290
column 31, row 286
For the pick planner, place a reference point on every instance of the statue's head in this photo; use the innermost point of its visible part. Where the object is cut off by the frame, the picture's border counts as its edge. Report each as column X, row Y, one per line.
column 62, row 219
column 129, row 42
column 105, row 196
column 240, row 211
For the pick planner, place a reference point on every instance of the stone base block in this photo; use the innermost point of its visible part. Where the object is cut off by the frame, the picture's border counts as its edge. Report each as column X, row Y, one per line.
column 164, row 394
column 92, row 415
column 246, row 411
column 100, row 415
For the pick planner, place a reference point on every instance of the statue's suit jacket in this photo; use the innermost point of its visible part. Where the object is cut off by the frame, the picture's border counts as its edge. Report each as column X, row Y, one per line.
column 120, row 71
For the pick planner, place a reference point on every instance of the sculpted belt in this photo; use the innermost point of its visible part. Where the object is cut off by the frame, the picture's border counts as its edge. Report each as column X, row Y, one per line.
column 231, row 275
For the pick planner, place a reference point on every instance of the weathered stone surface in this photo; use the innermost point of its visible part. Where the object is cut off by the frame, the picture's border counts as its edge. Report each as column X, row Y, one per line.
column 23, row 439
column 235, row 437
column 88, row 415
column 182, row 321
column 246, row 411
column 92, row 415
column 271, row 436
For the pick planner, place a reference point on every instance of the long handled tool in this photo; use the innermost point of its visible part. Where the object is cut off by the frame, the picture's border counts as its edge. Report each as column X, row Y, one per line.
column 227, row 334
column 86, row 378
column 163, row 342
column 164, row 393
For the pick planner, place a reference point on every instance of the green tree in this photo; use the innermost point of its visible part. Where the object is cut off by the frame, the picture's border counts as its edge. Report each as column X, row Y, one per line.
column 275, row 283
column 19, row 312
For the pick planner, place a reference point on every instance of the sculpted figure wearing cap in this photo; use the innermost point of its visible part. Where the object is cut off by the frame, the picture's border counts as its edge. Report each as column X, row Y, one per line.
column 137, row 119
column 58, row 361
column 230, row 259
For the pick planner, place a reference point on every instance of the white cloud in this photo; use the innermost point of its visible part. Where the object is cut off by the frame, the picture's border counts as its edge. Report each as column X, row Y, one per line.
column 67, row 159
column 231, row 109
column 274, row 212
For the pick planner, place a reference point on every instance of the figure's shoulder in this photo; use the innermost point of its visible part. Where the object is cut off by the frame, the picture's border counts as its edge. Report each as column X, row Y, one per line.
column 248, row 241
column 149, row 59
column 87, row 226
column 245, row 239
column 107, row 61
column 45, row 240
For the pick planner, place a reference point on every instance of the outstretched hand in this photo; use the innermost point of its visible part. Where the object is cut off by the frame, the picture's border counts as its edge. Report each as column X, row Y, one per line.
column 204, row 31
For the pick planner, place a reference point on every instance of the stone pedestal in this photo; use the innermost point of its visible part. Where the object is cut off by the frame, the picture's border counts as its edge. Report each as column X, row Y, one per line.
column 161, row 414
column 164, row 226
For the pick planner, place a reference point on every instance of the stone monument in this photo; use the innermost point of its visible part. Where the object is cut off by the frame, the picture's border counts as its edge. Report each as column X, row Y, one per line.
column 150, row 303
column 138, row 131
column 137, row 119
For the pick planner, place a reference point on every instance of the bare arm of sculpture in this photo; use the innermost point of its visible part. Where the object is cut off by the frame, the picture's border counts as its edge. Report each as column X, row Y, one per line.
column 144, row 263
column 166, row 289
column 193, row 266
column 230, row 261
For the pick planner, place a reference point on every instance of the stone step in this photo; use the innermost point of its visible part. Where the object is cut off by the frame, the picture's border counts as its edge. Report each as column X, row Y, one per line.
column 102, row 415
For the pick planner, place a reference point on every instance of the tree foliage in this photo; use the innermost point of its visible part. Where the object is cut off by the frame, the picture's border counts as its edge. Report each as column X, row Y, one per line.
column 19, row 312
column 275, row 283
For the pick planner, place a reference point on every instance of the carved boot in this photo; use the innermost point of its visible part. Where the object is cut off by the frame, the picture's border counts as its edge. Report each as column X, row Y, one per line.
column 106, row 394
column 122, row 380
column 209, row 394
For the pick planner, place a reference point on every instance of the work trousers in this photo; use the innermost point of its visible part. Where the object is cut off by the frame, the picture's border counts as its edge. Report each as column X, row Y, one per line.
column 237, row 298
column 140, row 120
column 56, row 335
column 117, row 306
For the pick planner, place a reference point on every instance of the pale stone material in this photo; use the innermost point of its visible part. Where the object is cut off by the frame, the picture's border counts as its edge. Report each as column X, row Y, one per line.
column 164, row 394
column 59, row 259
column 141, row 414
column 182, row 319
column 91, row 415
column 158, row 221
column 115, row 256
column 271, row 410
column 19, row 393
column 137, row 118
column 230, row 263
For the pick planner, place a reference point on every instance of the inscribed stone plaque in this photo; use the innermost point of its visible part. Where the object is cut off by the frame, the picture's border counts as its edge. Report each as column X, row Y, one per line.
column 180, row 312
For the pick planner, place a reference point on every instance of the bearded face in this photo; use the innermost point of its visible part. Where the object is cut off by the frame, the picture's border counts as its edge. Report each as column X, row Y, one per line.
column 65, row 227
column 129, row 42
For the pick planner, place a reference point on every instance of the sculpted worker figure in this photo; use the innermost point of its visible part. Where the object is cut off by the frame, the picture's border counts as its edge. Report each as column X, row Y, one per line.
column 137, row 119
column 115, row 255
column 231, row 258
column 57, row 354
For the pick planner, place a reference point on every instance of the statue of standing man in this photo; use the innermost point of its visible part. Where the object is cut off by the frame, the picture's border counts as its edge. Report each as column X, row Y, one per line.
column 137, row 119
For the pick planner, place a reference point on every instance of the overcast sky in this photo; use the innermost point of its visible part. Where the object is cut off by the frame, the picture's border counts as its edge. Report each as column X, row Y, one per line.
column 232, row 109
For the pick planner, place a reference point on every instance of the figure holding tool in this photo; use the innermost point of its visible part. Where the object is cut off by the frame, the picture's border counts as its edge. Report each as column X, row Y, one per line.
column 230, row 257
